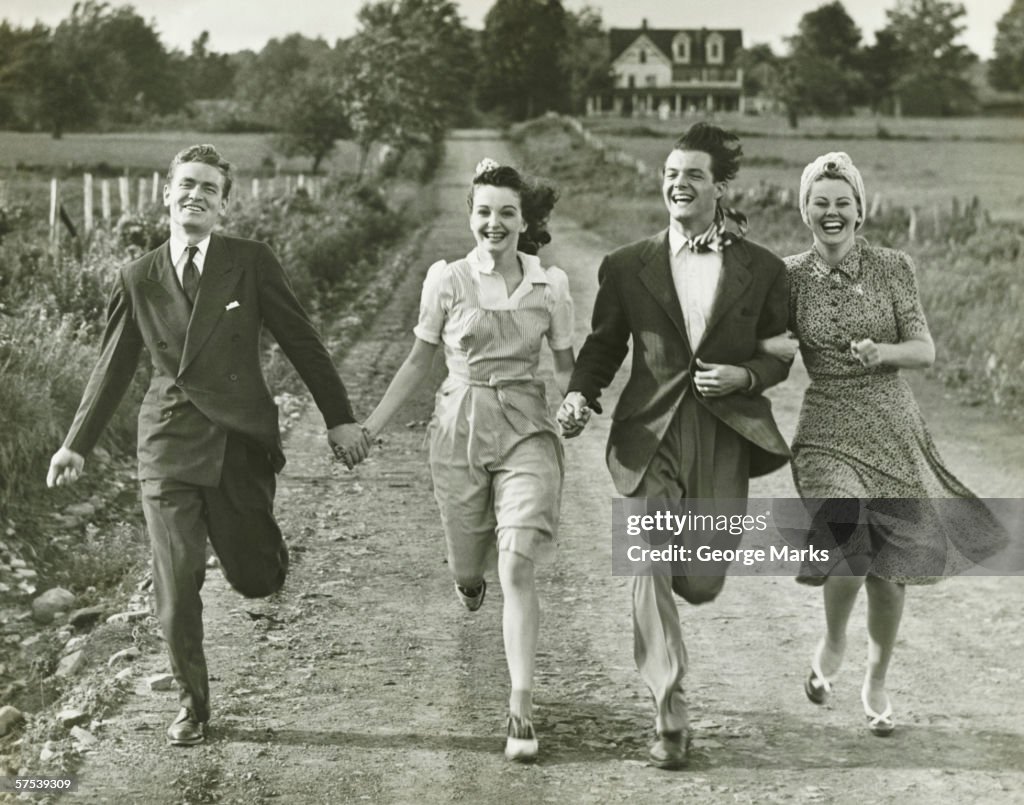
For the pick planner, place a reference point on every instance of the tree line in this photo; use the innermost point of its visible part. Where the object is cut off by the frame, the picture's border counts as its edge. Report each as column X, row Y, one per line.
column 916, row 66
column 413, row 69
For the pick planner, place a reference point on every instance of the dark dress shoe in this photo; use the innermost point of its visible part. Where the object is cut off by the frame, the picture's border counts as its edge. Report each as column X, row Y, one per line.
column 670, row 750
column 186, row 729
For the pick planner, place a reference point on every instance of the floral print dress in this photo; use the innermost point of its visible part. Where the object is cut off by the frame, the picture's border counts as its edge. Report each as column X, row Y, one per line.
column 861, row 434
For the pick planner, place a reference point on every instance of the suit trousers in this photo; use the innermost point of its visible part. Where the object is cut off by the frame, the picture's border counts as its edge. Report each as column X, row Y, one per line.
column 238, row 518
column 699, row 457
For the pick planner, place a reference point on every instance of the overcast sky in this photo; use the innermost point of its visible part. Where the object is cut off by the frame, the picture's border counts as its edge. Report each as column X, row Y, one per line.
column 239, row 24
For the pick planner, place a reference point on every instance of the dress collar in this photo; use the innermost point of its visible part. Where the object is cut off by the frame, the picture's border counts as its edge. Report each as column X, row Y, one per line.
column 533, row 271
column 849, row 265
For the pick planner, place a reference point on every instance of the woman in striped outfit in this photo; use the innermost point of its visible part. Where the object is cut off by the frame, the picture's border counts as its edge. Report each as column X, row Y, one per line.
column 495, row 455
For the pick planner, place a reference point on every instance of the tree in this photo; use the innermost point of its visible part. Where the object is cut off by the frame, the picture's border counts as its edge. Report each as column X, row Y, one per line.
column 760, row 68
column 20, row 53
column 313, row 117
column 99, row 66
column 1006, row 70
column 883, row 65
column 522, row 72
column 586, row 60
column 935, row 68
column 405, row 75
column 822, row 72
column 210, row 75
column 444, row 48
column 266, row 84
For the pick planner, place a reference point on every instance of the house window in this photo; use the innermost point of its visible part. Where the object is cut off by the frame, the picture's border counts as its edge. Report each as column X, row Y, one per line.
column 652, row 80
column 631, row 81
column 714, row 49
column 681, row 48
column 643, row 57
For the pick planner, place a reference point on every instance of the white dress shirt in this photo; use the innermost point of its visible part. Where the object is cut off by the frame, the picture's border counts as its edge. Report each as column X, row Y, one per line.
column 696, row 279
column 179, row 255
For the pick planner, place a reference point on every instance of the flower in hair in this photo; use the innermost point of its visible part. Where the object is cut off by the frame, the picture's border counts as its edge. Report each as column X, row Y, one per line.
column 484, row 165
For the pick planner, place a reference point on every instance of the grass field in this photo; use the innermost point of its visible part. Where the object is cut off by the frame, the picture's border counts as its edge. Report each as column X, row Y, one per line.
column 926, row 162
column 144, row 152
column 29, row 161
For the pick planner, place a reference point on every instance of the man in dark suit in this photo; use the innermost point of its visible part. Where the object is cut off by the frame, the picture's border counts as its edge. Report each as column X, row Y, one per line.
column 208, row 438
column 691, row 422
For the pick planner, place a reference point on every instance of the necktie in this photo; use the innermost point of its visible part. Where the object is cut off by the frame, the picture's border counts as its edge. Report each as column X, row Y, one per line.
column 190, row 276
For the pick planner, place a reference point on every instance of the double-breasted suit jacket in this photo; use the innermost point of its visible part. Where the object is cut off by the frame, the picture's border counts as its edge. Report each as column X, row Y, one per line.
column 207, row 379
column 637, row 300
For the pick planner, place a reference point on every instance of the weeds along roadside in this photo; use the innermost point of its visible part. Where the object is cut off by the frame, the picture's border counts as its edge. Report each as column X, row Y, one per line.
column 969, row 267
column 343, row 255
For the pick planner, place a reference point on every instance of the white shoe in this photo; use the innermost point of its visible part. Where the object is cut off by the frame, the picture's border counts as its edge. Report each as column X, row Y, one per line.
column 521, row 744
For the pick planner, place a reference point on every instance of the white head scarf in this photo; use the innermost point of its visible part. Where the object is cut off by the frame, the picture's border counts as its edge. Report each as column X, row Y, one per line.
column 835, row 164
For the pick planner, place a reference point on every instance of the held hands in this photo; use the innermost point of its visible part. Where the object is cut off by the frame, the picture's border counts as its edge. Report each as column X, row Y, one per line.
column 65, row 467
column 783, row 346
column 350, row 443
column 573, row 414
column 868, row 352
column 720, row 379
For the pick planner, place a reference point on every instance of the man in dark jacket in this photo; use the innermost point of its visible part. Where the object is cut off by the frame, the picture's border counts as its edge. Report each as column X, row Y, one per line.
column 208, row 439
column 691, row 422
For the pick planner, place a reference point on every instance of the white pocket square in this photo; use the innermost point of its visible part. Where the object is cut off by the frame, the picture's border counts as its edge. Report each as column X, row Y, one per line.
column 232, row 305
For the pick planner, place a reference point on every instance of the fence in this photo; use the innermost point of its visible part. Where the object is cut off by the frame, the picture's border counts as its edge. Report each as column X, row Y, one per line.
column 148, row 192
column 935, row 223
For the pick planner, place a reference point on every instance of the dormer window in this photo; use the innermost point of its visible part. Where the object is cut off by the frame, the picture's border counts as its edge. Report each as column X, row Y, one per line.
column 714, row 49
column 681, row 48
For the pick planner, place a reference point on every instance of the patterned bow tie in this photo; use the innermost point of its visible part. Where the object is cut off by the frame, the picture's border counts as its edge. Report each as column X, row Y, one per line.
column 716, row 237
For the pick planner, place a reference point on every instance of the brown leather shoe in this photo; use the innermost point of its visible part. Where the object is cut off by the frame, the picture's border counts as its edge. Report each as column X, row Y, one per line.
column 670, row 750
column 186, row 729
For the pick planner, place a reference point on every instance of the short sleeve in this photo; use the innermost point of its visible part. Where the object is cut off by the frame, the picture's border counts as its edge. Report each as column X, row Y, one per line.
column 906, row 301
column 560, row 335
column 433, row 304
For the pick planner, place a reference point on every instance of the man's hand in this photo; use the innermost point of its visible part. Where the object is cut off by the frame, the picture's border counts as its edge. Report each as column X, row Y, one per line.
column 573, row 414
column 65, row 467
column 720, row 379
column 351, row 443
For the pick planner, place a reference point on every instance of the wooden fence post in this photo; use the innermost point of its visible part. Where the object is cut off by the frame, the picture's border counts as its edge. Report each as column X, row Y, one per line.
column 87, row 217
column 126, row 197
column 271, row 187
column 3, row 194
column 141, row 200
column 256, row 188
column 55, row 217
column 912, row 227
column 105, row 201
column 156, row 188
column 287, row 185
column 876, row 205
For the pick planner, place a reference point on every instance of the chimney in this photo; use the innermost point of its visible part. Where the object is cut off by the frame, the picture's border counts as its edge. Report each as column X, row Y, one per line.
column 643, row 25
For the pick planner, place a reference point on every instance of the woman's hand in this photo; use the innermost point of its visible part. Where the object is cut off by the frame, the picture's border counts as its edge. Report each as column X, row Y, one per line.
column 868, row 352
column 783, row 346
column 573, row 414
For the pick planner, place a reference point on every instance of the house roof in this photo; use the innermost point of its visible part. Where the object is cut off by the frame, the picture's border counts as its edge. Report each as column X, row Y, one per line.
column 622, row 38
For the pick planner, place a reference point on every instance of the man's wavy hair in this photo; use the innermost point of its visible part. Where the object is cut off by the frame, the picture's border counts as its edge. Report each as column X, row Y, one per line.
column 208, row 155
column 723, row 147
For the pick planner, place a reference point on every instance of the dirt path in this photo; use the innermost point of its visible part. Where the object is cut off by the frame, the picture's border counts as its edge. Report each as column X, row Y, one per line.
column 365, row 681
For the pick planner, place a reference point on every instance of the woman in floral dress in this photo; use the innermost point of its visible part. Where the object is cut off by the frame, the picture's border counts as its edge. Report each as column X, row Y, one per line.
column 862, row 456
